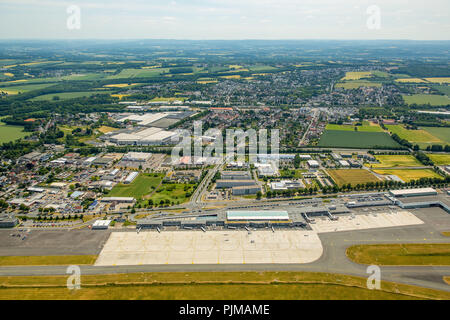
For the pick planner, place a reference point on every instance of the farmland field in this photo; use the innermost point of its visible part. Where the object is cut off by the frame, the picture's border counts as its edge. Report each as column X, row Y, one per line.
column 390, row 161
column 409, row 174
column 261, row 68
column 353, row 176
column 411, row 80
column 140, row 187
column 432, row 99
column 68, row 95
column 11, row 133
column 442, row 133
column 440, row 159
column 421, row 136
column 357, row 75
column 439, row 80
column 24, row 88
column 363, row 128
column 357, row 84
column 139, row 73
column 358, row 140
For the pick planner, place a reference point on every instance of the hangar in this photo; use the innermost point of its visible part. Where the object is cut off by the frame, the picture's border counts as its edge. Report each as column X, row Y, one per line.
column 257, row 215
column 419, row 192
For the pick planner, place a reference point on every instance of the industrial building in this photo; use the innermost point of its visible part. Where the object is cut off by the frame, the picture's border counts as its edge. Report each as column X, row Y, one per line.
column 287, row 185
column 257, row 215
column 313, row 163
column 131, row 177
column 149, row 136
column 234, row 183
column 266, row 169
column 344, row 163
column 245, row 190
column 236, row 175
column 413, row 192
column 137, row 156
column 101, row 224
column 7, row 221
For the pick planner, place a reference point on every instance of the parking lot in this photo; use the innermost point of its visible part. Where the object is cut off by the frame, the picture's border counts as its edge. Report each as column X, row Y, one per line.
column 365, row 221
column 215, row 247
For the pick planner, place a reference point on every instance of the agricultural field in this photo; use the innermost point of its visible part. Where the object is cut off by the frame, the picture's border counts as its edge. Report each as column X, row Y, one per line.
column 143, row 185
column 366, row 127
column 440, row 159
column 357, row 140
column 121, row 85
column 139, row 73
column 16, row 89
column 262, row 68
column 11, row 133
column 439, row 80
column 357, row 75
column 68, row 95
column 431, row 99
column 422, row 137
column 411, row 80
column 442, row 133
column 357, row 84
column 445, row 89
column 207, row 80
column 409, row 174
column 352, row 176
column 391, row 161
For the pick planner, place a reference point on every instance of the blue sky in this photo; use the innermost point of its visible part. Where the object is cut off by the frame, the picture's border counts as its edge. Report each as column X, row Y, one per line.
column 226, row 19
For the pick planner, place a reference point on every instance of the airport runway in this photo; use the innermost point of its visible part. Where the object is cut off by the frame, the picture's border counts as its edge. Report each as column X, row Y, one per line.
column 333, row 260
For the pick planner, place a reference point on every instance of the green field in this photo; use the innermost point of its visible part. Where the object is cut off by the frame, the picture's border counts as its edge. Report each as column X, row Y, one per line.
column 139, row 73
column 352, row 176
column 432, row 99
column 174, row 192
column 421, row 137
column 401, row 254
column 259, row 68
column 363, row 128
column 357, row 84
column 211, row 286
column 11, row 133
column 391, row 161
column 440, row 159
column 68, row 95
column 356, row 75
column 140, row 187
column 445, row 89
column 358, row 140
column 442, row 133
column 409, row 174
column 22, row 88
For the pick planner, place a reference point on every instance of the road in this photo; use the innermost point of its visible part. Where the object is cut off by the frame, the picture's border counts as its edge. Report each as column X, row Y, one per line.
column 316, row 114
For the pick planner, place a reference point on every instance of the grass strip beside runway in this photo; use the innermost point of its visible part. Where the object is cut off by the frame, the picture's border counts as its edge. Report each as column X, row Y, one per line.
column 429, row 254
column 211, row 285
column 47, row 260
